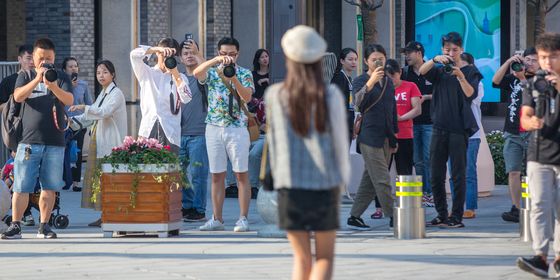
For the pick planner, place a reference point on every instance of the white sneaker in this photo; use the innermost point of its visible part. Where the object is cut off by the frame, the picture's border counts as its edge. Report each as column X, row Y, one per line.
column 212, row 225
column 241, row 225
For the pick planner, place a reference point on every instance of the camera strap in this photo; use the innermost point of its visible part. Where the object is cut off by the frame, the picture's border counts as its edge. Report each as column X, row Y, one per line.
column 174, row 109
column 233, row 94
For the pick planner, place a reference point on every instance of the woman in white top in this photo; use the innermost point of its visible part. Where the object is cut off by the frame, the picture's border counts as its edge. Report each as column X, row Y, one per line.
column 108, row 113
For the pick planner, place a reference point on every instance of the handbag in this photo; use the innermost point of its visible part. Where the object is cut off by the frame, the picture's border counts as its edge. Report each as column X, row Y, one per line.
column 252, row 121
column 358, row 122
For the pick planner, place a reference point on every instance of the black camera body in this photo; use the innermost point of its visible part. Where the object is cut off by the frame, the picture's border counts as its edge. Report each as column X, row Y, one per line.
column 517, row 66
column 540, row 83
column 51, row 74
column 170, row 62
column 229, row 70
column 448, row 67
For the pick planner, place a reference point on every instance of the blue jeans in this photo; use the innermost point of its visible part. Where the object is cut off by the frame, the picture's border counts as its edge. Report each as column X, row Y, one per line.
column 422, row 140
column 472, row 177
column 194, row 161
column 255, row 155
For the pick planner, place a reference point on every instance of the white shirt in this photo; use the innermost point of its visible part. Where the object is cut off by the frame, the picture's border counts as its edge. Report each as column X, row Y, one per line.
column 475, row 107
column 111, row 119
column 155, row 87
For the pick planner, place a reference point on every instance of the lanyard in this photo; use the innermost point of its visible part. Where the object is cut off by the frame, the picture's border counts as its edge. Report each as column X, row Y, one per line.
column 348, row 79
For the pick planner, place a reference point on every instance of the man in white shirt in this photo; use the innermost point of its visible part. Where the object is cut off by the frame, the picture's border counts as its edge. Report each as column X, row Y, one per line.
column 162, row 90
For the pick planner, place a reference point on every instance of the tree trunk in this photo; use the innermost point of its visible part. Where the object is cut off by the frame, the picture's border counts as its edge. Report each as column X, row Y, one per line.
column 370, row 30
column 540, row 18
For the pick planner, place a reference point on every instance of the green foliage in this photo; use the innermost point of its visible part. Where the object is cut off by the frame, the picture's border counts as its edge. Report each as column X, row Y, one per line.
column 496, row 143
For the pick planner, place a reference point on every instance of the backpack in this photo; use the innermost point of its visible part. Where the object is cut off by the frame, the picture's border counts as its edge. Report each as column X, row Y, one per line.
column 12, row 126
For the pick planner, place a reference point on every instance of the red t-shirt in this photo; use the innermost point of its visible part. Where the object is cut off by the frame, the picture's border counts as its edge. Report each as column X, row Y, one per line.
column 403, row 95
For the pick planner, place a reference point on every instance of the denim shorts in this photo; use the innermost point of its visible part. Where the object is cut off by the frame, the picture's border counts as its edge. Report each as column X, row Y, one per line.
column 44, row 162
column 515, row 150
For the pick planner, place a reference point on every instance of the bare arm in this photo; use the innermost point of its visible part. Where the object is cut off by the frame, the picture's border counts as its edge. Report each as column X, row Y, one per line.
column 416, row 110
column 502, row 71
column 244, row 92
column 65, row 97
column 528, row 119
column 22, row 93
column 201, row 72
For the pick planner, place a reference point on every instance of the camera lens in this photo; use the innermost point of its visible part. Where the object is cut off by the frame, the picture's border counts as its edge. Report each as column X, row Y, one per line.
column 170, row 62
column 51, row 75
column 448, row 68
column 229, row 70
column 517, row 66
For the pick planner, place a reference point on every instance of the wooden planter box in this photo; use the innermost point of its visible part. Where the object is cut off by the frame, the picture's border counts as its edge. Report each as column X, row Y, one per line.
column 158, row 201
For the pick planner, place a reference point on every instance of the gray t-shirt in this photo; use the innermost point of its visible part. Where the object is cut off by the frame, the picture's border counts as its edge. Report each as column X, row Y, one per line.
column 193, row 114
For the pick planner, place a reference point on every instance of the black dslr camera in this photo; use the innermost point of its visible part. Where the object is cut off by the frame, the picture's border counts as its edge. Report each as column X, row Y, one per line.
column 517, row 66
column 51, row 75
column 448, row 67
column 229, row 70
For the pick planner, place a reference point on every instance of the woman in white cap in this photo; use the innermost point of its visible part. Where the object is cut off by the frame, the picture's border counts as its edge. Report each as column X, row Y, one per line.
column 308, row 140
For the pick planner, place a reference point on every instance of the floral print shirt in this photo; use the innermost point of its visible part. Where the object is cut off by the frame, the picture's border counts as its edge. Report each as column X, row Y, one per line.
column 218, row 99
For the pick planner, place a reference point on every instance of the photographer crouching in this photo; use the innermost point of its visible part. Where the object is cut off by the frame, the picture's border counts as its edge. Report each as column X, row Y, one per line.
column 539, row 114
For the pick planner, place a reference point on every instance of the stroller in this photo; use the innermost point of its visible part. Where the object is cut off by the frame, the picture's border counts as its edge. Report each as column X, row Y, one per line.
column 56, row 220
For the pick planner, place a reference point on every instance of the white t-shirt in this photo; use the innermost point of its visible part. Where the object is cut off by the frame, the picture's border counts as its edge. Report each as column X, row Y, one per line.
column 475, row 107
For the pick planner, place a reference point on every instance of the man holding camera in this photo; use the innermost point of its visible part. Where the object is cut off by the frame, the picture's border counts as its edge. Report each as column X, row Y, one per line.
column 162, row 90
column 516, row 138
column 540, row 114
column 41, row 94
column 229, row 87
column 453, row 124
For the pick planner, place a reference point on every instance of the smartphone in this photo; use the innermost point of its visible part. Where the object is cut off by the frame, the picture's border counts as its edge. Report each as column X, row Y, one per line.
column 74, row 76
column 188, row 36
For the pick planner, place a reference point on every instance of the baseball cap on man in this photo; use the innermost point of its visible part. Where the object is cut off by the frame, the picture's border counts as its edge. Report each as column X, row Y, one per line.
column 413, row 46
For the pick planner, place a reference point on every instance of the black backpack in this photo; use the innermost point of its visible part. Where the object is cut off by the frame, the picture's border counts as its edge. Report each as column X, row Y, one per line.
column 11, row 125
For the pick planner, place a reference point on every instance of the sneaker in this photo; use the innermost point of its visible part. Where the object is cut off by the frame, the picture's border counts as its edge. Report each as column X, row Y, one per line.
column 556, row 268
column 241, row 225
column 391, row 222
column 469, row 214
column 28, row 220
column 212, row 225
column 45, row 232
column 378, row 214
column 454, row 223
column 535, row 265
column 13, row 232
column 194, row 216
column 512, row 215
column 231, row 191
column 186, row 211
column 357, row 224
column 427, row 200
column 436, row 222
column 76, row 189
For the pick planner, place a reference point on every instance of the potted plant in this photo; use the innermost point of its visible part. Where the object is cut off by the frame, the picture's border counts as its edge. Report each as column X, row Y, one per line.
column 140, row 185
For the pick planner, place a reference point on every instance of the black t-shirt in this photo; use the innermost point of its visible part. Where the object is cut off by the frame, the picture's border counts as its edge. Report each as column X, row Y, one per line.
column 344, row 84
column 448, row 98
column 549, row 144
column 425, row 88
column 259, row 89
column 513, row 86
column 7, row 87
column 38, row 121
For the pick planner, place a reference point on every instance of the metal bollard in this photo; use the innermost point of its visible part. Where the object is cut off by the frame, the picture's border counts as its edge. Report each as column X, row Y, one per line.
column 525, row 212
column 409, row 214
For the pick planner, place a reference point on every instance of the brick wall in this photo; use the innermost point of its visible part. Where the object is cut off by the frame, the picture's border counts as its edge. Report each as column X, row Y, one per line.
column 158, row 20
column 15, row 26
column 50, row 19
column 218, row 23
column 82, row 36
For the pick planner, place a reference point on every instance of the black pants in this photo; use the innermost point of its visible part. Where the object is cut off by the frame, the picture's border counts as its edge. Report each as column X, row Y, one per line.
column 446, row 145
column 77, row 171
column 404, row 157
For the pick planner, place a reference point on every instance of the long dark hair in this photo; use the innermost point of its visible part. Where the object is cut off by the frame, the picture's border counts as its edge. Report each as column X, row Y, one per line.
column 256, row 64
column 306, row 95
column 343, row 53
column 110, row 67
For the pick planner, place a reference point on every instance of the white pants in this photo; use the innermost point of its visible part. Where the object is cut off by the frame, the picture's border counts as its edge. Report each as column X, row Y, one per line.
column 544, row 184
column 227, row 142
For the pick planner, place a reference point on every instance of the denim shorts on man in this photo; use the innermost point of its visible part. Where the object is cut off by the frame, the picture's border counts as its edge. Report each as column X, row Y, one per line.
column 515, row 150
column 41, row 161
